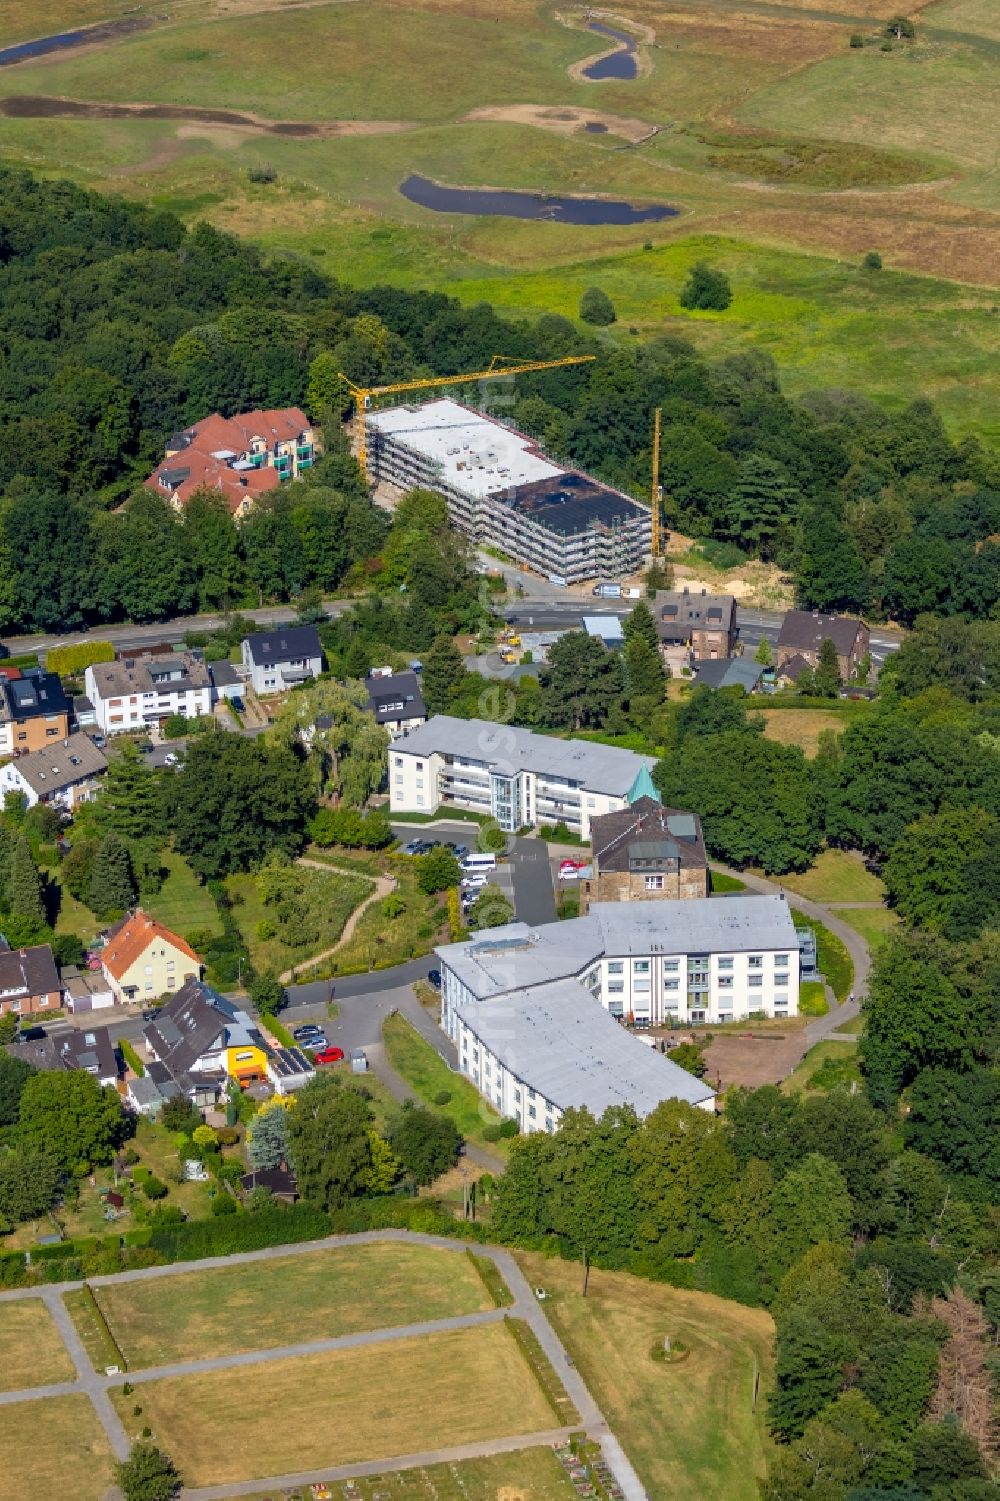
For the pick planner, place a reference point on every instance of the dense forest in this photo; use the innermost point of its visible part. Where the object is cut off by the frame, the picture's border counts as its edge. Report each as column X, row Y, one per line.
column 118, row 325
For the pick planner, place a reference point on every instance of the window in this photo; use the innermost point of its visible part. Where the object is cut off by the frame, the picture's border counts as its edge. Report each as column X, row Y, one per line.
column 780, row 961
column 725, row 982
column 399, row 760
column 671, row 964
column 756, row 981
column 517, row 1097
column 615, row 987
column 531, row 1112
column 616, row 967
column 654, row 883
column 244, row 1057
column 671, row 984
column 727, row 962
column 640, row 966
column 755, row 961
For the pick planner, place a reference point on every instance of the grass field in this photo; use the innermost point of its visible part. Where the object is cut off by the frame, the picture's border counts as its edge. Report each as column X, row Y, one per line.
column 829, row 1065
column 343, row 1406
column 33, row 1352
column 812, row 998
column 788, row 153
column 832, row 958
column 182, row 903
column 289, row 1300
column 837, row 876
column 522, row 1475
column 873, row 923
column 329, row 900
column 802, row 727
column 53, row 1447
column 382, row 941
column 427, row 1073
column 688, row 1428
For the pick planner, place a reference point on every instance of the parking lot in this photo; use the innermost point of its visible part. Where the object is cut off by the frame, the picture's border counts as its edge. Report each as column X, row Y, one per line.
column 524, row 875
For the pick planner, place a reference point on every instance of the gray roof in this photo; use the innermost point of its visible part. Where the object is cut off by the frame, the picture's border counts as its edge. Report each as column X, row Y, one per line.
column 191, row 1024
column 561, row 1043
column 729, row 672
column 598, row 768
column 146, row 673
column 680, row 611
column 288, row 644
column 62, row 764
column 27, row 972
column 395, row 697
column 805, row 630
column 616, row 837
column 223, row 673
column 92, row 1050
column 144, row 1091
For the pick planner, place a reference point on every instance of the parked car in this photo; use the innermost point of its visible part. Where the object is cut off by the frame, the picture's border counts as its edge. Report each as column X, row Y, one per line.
column 329, row 1055
column 573, row 864
column 146, row 747
column 170, row 759
column 413, row 848
column 434, row 976
column 460, row 851
column 237, row 704
column 308, row 1029
column 474, row 882
column 30, row 1034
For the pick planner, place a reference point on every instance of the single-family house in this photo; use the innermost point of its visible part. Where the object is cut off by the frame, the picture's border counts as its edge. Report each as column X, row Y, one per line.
column 694, row 625
column 65, row 773
column 34, row 711
column 802, row 635
column 288, row 1069
column 142, row 690
column 280, row 659
column 142, row 960
column 226, row 681
column 202, row 1041
column 729, row 672
column 29, row 980
column 396, row 700
column 645, row 853
column 279, row 1181
column 241, row 457
column 93, row 1051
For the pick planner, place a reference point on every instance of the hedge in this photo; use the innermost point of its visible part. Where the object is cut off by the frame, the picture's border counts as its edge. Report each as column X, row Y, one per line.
column 242, row 1232
column 132, row 1058
column 70, row 659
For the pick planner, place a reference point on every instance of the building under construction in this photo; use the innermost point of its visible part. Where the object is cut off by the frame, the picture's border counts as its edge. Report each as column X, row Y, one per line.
column 503, row 492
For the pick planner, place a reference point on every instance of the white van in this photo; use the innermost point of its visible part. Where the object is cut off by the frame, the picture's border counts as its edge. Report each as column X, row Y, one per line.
column 475, row 880
column 473, row 863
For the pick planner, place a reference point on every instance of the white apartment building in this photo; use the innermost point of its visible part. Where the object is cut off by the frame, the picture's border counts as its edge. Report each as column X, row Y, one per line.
column 535, row 1014
column 520, row 778
column 135, row 693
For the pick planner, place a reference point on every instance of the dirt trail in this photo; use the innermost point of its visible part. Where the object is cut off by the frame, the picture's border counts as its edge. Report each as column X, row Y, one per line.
column 50, row 107
column 383, row 886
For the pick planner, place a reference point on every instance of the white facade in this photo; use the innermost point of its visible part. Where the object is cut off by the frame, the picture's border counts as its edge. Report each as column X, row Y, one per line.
column 133, row 697
column 280, row 659
column 534, row 1013
column 519, row 778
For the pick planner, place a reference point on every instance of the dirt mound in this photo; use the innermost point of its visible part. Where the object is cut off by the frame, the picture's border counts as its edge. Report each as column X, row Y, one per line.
column 567, row 121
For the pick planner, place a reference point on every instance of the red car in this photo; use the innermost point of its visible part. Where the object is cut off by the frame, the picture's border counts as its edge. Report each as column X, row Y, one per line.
column 329, row 1055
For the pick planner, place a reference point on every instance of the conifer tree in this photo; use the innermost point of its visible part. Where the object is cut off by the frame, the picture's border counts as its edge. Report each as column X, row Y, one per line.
column 112, row 881
column 24, row 886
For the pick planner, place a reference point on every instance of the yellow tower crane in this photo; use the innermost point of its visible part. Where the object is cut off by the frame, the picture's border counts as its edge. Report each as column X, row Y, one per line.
column 656, row 492
column 499, row 365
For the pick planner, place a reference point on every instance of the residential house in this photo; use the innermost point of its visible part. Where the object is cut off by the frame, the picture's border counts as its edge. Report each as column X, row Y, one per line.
column 729, row 672
column 202, row 1041
column 280, row 659
column 645, row 853
column 34, row 711
column 288, row 1069
column 65, row 774
column 93, row 1051
column 694, row 625
column 240, row 457
column 29, row 980
column 802, row 635
column 143, row 1097
column 396, row 700
column 143, row 960
column 226, row 681
column 85, row 990
column 514, row 775
column 279, row 1181
column 138, row 692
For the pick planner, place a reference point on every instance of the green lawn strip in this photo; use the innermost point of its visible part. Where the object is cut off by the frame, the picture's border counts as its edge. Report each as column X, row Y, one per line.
column 722, row 883
column 836, row 876
column 563, row 1408
column 855, row 1025
column 812, row 998
column 827, row 1066
column 289, row 1300
column 94, row 1330
column 131, row 1057
column 430, row 1077
column 832, row 958
column 873, row 923
column 74, row 918
column 492, row 1279
column 182, row 903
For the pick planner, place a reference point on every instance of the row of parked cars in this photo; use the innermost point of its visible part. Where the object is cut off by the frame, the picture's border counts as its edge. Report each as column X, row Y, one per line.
column 424, row 847
column 311, row 1037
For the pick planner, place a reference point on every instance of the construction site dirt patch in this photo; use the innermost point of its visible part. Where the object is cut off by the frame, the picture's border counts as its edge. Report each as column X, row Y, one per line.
column 567, row 121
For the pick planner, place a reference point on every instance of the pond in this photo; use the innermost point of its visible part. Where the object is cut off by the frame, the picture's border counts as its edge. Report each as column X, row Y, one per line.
column 522, row 205
column 38, row 48
column 620, row 64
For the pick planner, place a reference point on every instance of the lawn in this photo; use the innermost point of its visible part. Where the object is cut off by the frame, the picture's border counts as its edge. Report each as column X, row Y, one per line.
column 74, row 917
column 689, row 1428
column 328, row 899
column 33, row 1351
column 183, row 904
column 722, row 883
column 342, row 1406
column 522, row 1475
column 829, row 1065
column 873, row 923
column 379, row 941
column 802, row 727
column 427, row 1073
column 812, row 998
column 832, row 958
column 53, row 1447
column 291, row 1300
column 837, row 876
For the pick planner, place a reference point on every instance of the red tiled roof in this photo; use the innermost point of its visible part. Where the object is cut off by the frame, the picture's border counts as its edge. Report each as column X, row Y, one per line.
column 132, row 939
column 206, row 473
column 216, row 435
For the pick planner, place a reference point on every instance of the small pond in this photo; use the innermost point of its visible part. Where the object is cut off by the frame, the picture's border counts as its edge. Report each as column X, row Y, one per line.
column 38, row 48
column 618, row 65
column 518, row 205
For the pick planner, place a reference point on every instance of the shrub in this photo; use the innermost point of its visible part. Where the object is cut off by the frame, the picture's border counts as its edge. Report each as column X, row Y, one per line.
column 492, row 1132
column 227, row 1136
column 443, row 1097
column 222, row 1205
column 155, row 1188
column 872, row 261
column 69, row 659
column 597, row 308
column 857, row 40
column 508, row 1127
column 266, row 929
column 261, row 174
column 706, row 290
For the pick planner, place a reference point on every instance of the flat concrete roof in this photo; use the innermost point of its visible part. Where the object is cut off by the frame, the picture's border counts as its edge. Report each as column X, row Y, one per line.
column 475, row 455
